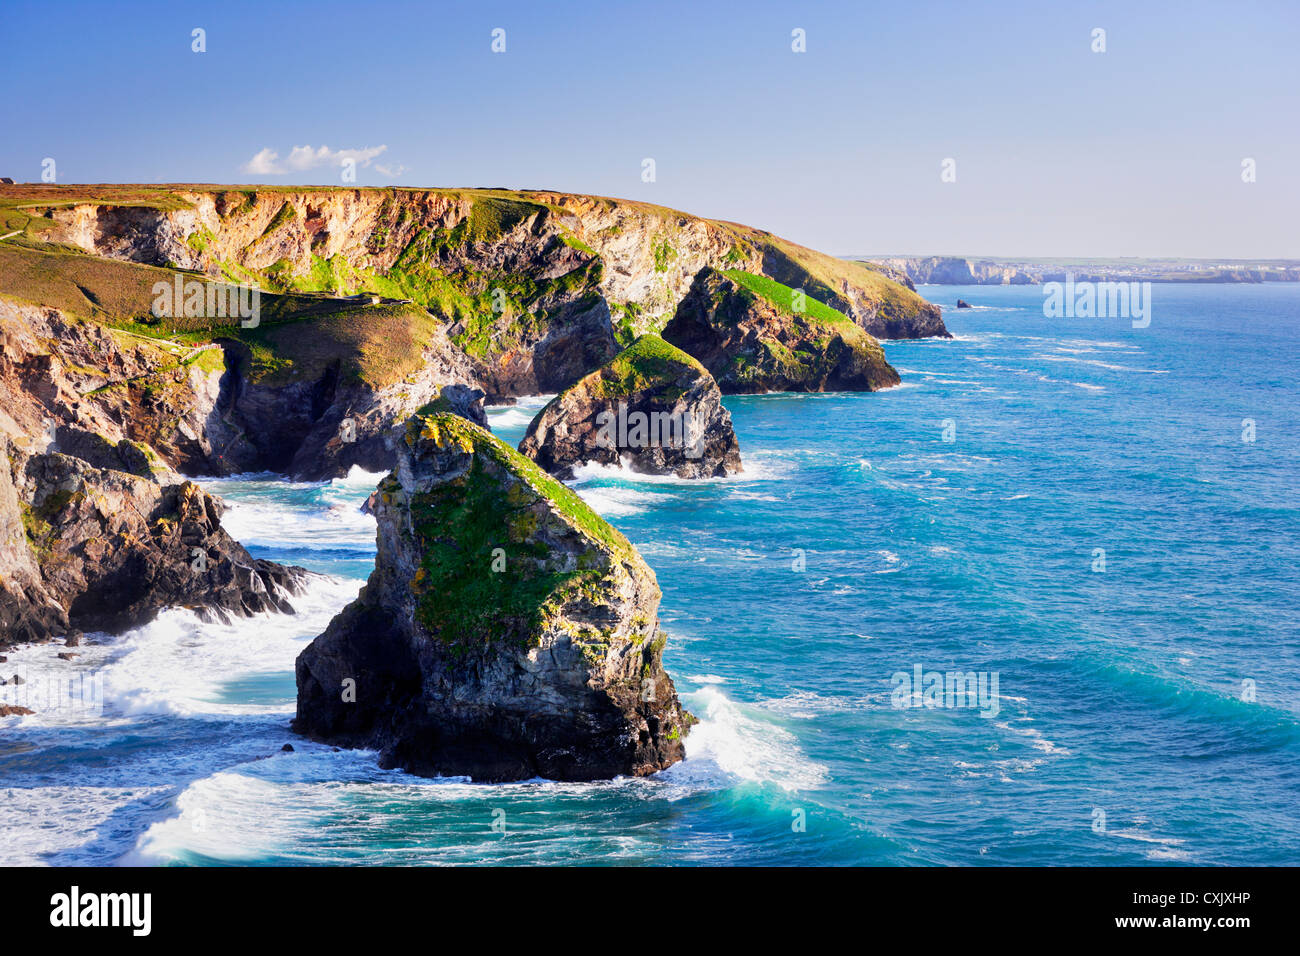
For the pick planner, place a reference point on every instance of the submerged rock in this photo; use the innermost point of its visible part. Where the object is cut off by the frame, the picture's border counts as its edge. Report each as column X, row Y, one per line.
column 652, row 407
column 507, row 631
column 756, row 335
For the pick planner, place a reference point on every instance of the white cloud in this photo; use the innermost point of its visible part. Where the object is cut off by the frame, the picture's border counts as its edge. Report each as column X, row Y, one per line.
column 263, row 163
column 393, row 171
column 266, row 162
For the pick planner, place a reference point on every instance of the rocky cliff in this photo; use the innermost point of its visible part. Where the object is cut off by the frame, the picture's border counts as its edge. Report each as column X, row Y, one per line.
column 373, row 303
column 957, row 270
column 953, row 270
column 116, row 548
column 756, row 335
column 527, row 280
column 29, row 611
column 507, row 631
column 373, row 299
column 652, row 407
column 99, row 532
column 312, row 388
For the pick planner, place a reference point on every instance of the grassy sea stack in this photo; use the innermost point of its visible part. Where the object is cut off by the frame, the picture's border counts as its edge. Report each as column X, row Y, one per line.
column 652, row 407
column 507, row 631
column 756, row 335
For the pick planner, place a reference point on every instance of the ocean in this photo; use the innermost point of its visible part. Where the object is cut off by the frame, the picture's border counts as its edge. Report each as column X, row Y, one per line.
column 1098, row 523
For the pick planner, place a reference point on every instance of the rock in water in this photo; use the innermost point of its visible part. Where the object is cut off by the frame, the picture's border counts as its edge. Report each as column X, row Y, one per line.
column 963, row 304
column 651, row 406
column 507, row 631
column 106, row 550
column 756, row 335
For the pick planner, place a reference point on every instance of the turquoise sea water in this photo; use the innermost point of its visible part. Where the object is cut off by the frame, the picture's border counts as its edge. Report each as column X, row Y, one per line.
column 858, row 544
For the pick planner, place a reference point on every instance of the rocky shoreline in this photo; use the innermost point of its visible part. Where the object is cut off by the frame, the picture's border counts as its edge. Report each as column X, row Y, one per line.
column 507, row 631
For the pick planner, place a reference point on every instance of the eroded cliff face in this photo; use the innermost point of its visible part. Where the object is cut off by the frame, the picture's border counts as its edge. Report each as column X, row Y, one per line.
column 215, row 409
column 506, row 632
column 117, row 548
column 99, row 531
column 29, row 611
column 556, row 258
column 316, row 420
column 58, row 372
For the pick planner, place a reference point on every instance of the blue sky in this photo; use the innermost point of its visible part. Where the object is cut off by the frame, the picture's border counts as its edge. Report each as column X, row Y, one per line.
column 1058, row 150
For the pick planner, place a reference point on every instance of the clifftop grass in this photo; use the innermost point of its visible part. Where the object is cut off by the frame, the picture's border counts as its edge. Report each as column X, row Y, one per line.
column 296, row 338
column 782, row 296
column 817, row 323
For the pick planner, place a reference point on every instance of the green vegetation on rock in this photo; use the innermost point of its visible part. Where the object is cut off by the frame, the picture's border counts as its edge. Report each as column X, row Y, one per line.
column 490, row 219
column 664, row 254
column 494, row 504
column 646, row 362
column 782, row 296
column 297, row 336
column 283, row 215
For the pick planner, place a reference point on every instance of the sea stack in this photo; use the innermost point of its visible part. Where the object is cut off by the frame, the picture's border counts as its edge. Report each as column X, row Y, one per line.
column 754, row 334
column 652, row 407
column 507, row 631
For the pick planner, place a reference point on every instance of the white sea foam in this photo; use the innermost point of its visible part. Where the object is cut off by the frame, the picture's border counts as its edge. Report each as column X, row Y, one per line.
column 518, row 415
column 737, row 742
column 1097, row 363
column 1163, row 848
column 616, row 490
column 762, row 469
column 510, row 417
column 1090, row 343
column 1031, row 734
column 599, row 471
column 616, row 501
column 54, row 824
column 358, row 478
column 267, row 807
column 178, row 664
column 807, row 705
column 223, row 817
column 257, row 515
